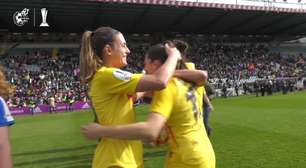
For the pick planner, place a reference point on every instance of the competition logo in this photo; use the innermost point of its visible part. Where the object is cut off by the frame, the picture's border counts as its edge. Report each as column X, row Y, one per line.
column 122, row 75
column 44, row 13
column 21, row 18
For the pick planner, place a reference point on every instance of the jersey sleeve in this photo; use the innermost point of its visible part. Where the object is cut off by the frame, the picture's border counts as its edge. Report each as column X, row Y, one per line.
column 119, row 81
column 162, row 102
column 6, row 118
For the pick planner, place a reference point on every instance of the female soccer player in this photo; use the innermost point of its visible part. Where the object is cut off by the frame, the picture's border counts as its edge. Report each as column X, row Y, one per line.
column 175, row 107
column 103, row 52
column 5, row 121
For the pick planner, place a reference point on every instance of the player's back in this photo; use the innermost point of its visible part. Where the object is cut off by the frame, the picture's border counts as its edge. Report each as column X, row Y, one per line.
column 188, row 142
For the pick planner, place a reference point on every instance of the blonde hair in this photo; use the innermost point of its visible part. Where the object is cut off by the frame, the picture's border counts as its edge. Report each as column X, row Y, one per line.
column 89, row 61
column 5, row 87
column 91, row 55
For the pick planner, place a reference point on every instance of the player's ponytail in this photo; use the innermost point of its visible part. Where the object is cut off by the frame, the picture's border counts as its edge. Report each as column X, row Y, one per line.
column 183, row 47
column 88, row 60
column 158, row 52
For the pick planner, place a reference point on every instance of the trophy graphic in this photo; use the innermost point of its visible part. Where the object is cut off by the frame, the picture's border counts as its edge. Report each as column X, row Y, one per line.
column 44, row 13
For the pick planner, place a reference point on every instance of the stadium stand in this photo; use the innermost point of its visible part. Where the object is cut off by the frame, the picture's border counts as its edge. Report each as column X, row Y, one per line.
column 39, row 75
column 248, row 56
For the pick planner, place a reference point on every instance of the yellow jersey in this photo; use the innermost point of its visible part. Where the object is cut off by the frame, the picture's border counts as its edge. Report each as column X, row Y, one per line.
column 110, row 92
column 189, row 145
column 199, row 92
column 190, row 65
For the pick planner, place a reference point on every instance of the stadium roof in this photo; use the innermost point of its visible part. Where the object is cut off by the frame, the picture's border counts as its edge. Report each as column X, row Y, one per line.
column 149, row 16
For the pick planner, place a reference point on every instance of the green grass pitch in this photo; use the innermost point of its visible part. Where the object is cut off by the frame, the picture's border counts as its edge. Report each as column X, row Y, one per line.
column 248, row 132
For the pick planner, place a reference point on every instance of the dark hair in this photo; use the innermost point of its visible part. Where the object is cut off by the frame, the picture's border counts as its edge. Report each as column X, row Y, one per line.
column 158, row 52
column 92, row 45
column 182, row 46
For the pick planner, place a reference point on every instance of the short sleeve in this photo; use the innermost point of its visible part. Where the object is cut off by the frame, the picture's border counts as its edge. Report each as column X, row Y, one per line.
column 118, row 81
column 6, row 118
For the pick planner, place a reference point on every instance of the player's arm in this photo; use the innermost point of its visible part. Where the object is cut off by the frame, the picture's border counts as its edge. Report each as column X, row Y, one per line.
column 159, row 79
column 139, row 95
column 195, row 76
column 208, row 102
column 5, row 150
column 147, row 131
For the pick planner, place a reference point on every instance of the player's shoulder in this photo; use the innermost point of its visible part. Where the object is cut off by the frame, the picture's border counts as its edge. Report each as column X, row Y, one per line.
column 178, row 85
column 6, row 119
column 108, row 73
column 170, row 88
column 2, row 103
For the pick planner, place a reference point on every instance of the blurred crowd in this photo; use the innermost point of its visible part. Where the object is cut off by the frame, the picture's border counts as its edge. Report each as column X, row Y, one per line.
column 39, row 76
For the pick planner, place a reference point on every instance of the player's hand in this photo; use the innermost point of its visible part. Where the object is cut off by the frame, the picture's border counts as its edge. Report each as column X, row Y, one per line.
column 172, row 51
column 211, row 107
column 91, row 130
column 205, row 74
column 148, row 94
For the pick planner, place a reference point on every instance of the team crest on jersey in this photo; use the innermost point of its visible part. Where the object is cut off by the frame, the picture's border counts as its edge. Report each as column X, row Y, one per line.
column 122, row 75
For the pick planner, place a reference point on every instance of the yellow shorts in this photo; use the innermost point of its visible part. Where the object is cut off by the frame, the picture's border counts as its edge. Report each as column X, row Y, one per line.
column 175, row 161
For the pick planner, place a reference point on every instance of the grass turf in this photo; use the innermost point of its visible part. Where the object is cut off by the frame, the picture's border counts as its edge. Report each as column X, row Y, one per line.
column 248, row 132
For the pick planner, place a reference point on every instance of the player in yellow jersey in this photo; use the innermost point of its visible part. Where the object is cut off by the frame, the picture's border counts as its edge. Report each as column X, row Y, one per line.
column 175, row 107
column 205, row 105
column 103, row 52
